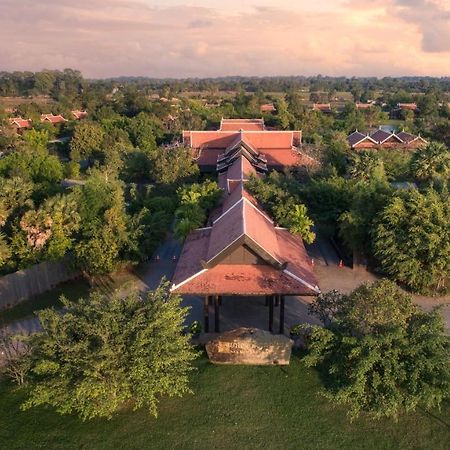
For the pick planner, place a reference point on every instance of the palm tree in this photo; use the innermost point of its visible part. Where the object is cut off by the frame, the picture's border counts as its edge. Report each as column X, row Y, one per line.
column 431, row 161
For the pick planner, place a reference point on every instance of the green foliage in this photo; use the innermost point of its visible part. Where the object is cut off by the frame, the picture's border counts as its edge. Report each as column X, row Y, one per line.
column 299, row 223
column 105, row 353
column 104, row 234
column 412, row 240
column 355, row 224
column 34, row 165
column 431, row 161
column 87, row 140
column 196, row 201
column 284, row 207
column 380, row 354
column 173, row 166
column 366, row 166
column 37, row 139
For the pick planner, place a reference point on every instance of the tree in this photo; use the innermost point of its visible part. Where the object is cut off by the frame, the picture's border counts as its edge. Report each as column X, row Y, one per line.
column 412, row 239
column 366, row 166
column 87, row 139
column 105, row 353
column 299, row 223
column 173, row 166
column 380, row 354
column 15, row 351
column 196, row 201
column 431, row 161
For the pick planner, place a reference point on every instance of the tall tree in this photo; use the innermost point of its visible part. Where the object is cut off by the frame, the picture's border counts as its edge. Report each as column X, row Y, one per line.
column 412, row 239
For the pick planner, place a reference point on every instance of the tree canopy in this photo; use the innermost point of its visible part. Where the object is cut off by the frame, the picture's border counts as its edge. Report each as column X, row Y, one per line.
column 104, row 354
column 380, row 354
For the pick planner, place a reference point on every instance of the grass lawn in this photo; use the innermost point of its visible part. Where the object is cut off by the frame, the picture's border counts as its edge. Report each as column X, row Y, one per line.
column 233, row 407
column 72, row 290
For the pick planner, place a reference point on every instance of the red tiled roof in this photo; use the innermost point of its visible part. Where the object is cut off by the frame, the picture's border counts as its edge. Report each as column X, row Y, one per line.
column 283, row 265
column 268, row 107
column 258, row 139
column 242, row 124
column 410, row 106
column 20, row 123
column 53, row 119
column 79, row 114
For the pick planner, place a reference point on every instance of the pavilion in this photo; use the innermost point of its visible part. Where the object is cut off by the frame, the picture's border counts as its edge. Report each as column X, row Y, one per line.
column 241, row 251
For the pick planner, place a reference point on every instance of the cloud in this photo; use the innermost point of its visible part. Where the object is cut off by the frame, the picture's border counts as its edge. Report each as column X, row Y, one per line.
column 392, row 37
column 432, row 18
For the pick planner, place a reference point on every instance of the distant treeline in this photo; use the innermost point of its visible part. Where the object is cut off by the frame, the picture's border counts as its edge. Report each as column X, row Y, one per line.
column 69, row 83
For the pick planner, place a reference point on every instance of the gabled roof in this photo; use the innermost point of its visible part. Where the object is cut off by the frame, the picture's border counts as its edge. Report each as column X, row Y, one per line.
column 381, row 136
column 20, row 123
column 79, row 114
column 240, row 222
column 408, row 137
column 356, row 138
column 52, row 119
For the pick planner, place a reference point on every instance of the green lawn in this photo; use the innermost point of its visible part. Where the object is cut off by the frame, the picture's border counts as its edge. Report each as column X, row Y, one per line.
column 233, row 408
column 72, row 290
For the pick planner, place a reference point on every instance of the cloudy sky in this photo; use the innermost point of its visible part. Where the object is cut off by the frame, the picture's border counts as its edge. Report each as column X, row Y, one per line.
column 172, row 38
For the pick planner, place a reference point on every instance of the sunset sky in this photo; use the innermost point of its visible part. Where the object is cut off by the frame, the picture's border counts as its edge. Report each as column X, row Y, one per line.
column 172, row 38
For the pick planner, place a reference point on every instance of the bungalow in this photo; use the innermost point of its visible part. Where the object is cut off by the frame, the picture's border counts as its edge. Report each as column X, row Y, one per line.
column 384, row 139
column 363, row 106
column 78, row 115
column 322, row 107
column 20, row 124
column 267, row 108
column 54, row 120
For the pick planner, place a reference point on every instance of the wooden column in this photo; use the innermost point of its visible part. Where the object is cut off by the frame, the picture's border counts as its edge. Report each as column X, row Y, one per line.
column 277, row 300
column 206, row 313
column 271, row 313
column 267, row 300
column 216, row 314
column 281, row 314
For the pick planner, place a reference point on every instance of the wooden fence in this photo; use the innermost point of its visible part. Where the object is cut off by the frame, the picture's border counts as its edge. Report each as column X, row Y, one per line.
column 19, row 286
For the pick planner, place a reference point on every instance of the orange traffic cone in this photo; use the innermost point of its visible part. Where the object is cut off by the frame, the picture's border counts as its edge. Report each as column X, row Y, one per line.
column 341, row 263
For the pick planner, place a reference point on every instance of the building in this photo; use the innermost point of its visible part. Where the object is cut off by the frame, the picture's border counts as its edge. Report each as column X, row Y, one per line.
column 407, row 106
column 242, row 124
column 280, row 149
column 78, row 115
column 363, row 106
column 241, row 251
column 54, row 120
column 322, row 107
column 385, row 139
column 267, row 108
column 20, row 124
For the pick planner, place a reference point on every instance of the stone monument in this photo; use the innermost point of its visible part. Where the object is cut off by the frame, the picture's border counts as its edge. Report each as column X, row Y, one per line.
column 250, row 346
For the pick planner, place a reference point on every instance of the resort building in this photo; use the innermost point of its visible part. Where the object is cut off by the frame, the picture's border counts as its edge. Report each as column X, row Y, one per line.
column 279, row 149
column 20, row 124
column 54, row 120
column 242, row 252
column 385, row 139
